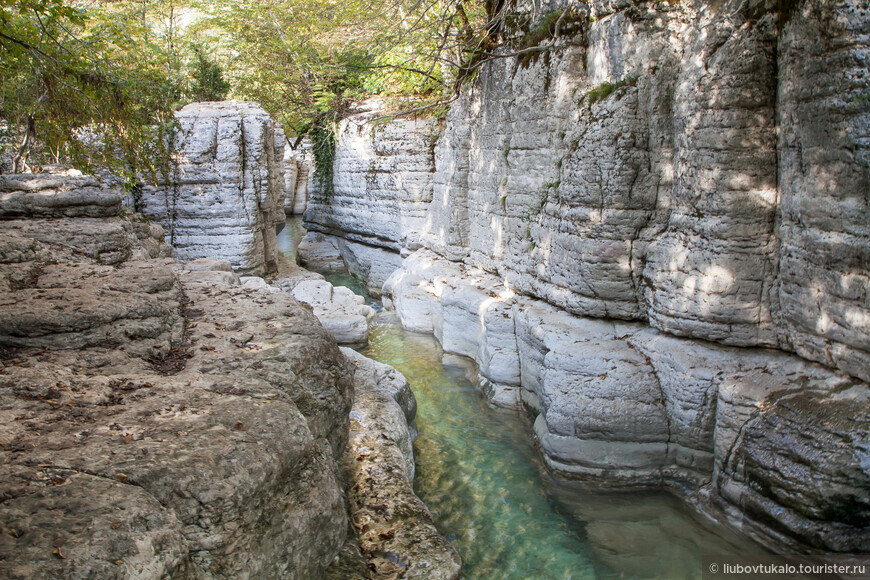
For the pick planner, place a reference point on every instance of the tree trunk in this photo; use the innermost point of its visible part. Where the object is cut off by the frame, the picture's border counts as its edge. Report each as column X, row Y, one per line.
column 19, row 162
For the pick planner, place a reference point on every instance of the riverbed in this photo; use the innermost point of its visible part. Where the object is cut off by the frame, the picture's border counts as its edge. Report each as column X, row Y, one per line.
column 480, row 474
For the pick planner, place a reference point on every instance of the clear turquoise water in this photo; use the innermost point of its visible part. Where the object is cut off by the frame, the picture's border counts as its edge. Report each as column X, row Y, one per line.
column 481, row 476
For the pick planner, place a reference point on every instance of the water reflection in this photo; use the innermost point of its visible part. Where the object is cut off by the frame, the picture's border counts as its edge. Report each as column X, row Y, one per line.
column 480, row 474
column 290, row 236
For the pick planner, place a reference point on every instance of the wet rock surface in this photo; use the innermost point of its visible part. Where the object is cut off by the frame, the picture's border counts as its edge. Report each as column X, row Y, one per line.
column 161, row 421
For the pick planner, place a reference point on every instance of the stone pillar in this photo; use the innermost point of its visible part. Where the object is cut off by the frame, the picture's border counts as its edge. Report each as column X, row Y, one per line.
column 226, row 190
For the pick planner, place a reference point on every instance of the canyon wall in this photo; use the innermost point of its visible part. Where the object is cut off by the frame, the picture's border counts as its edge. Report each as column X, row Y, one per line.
column 226, row 190
column 655, row 238
column 298, row 169
column 382, row 181
column 382, row 188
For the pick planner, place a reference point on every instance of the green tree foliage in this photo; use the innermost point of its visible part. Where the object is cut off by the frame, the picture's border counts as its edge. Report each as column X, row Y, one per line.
column 307, row 61
column 208, row 83
column 96, row 83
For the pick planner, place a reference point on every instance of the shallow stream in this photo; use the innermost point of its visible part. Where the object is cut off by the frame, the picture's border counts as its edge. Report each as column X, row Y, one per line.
column 482, row 477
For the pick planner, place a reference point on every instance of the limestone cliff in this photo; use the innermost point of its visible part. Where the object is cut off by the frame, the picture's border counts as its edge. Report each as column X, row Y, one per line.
column 382, row 181
column 654, row 237
column 298, row 168
column 156, row 420
column 226, row 190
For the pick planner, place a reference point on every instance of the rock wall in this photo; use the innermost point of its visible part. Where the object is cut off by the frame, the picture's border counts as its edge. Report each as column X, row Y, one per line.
column 382, row 181
column 227, row 188
column 649, row 235
column 298, row 169
column 156, row 420
column 636, row 173
column 771, row 439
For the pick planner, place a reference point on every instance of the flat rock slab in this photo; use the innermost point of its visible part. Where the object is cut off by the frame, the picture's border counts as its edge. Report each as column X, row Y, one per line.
column 56, row 196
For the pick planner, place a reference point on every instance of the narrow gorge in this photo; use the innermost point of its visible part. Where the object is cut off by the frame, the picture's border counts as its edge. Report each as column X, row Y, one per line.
column 603, row 311
column 651, row 236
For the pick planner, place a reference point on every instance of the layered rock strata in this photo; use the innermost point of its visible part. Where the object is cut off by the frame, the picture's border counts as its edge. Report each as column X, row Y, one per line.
column 382, row 181
column 298, row 168
column 226, row 192
column 776, row 441
column 631, row 229
column 382, row 186
column 158, row 420
column 651, row 185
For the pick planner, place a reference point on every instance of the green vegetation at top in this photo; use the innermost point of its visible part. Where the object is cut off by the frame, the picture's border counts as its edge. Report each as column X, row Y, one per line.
column 96, row 82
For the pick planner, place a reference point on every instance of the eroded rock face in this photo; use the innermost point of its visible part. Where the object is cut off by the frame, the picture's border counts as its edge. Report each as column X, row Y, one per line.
column 621, row 228
column 298, row 167
column 34, row 225
column 776, row 441
column 395, row 529
column 159, row 421
column 824, row 158
column 227, row 188
column 382, row 181
column 636, row 173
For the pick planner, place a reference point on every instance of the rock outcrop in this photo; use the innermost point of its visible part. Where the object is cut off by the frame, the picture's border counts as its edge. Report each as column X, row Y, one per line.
column 395, row 529
column 341, row 312
column 298, row 167
column 158, row 420
column 653, row 236
column 226, row 190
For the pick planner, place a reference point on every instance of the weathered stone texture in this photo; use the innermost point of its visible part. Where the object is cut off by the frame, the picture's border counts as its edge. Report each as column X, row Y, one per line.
column 620, row 403
column 226, row 192
column 382, row 181
column 34, row 225
column 824, row 159
column 635, row 173
column 621, row 227
column 395, row 529
column 159, row 421
column 70, row 194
